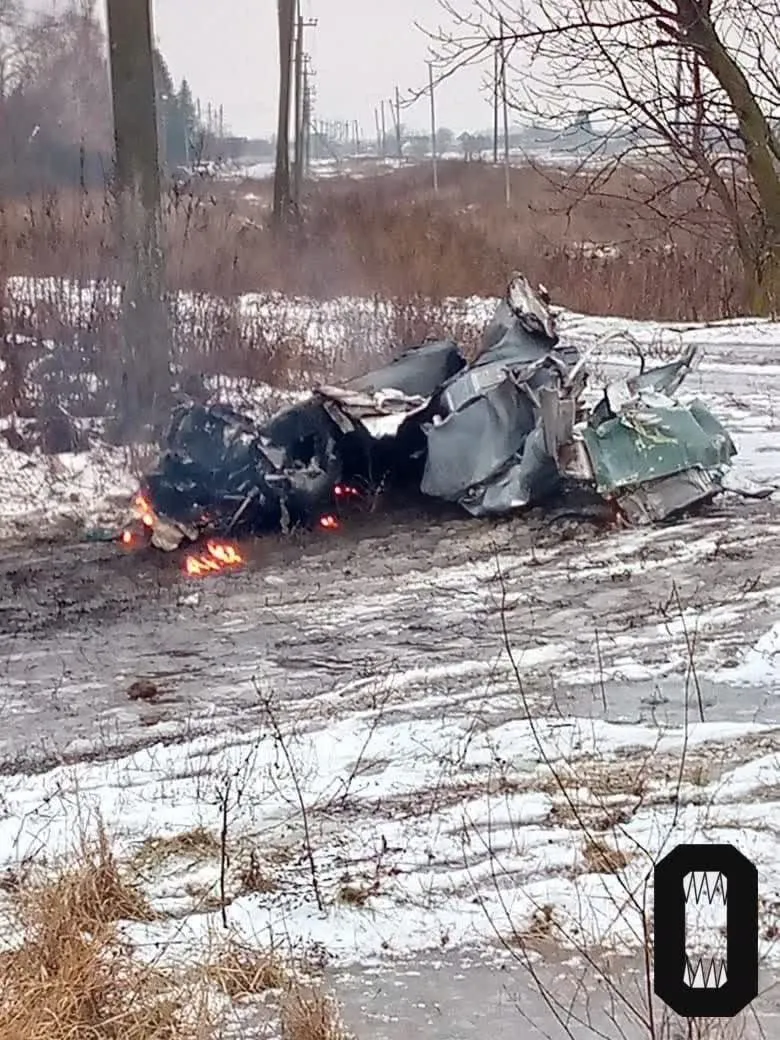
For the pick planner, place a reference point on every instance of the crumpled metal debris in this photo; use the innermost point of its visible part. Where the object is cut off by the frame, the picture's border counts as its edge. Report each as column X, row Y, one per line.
column 504, row 432
column 653, row 455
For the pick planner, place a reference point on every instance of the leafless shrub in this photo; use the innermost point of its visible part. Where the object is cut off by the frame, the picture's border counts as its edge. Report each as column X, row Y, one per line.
column 607, row 848
column 687, row 91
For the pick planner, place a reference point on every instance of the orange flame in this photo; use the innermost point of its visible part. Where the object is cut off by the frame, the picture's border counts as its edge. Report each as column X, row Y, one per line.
column 127, row 537
column 224, row 552
column 144, row 510
column 346, row 491
column 329, row 522
column 217, row 557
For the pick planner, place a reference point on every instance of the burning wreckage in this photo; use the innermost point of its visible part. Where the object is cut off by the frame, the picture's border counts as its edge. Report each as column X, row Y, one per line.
column 508, row 431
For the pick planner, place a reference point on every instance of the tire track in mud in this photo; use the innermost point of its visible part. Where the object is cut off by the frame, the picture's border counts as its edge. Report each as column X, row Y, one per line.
column 406, row 607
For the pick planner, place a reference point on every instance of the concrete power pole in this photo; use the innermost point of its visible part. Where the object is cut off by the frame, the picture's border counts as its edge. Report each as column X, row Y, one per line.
column 496, row 74
column 433, row 131
column 300, row 120
column 298, row 159
column 399, row 140
column 146, row 372
column 282, row 193
column 307, row 117
column 384, row 131
column 505, row 110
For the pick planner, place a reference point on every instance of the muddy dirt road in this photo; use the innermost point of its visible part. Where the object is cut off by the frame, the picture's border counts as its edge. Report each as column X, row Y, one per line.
column 331, row 618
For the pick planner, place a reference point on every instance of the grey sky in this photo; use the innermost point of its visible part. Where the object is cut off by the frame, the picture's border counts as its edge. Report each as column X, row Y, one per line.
column 360, row 50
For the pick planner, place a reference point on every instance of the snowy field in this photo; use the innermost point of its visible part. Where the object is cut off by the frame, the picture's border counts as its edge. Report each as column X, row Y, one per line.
column 429, row 805
column 361, row 166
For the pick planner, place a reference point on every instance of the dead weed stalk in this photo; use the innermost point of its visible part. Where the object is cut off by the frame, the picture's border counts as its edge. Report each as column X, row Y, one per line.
column 281, row 742
column 73, row 976
column 607, row 848
column 73, row 973
column 308, row 1013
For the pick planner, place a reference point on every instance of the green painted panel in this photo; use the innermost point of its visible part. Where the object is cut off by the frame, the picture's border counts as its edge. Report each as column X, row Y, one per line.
column 646, row 443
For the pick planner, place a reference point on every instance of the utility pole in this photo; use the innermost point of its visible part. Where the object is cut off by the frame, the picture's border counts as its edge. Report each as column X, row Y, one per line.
column 300, row 65
column 496, row 72
column 282, row 199
column 398, row 123
column 297, row 171
column 307, row 117
column 378, row 132
column 433, row 130
column 384, row 132
column 505, row 107
column 147, row 353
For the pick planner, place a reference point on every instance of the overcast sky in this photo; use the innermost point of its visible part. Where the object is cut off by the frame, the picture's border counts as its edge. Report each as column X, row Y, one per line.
column 360, row 49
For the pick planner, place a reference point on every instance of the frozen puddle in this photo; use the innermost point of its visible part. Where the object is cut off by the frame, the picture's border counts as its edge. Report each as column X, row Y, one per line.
column 470, row 995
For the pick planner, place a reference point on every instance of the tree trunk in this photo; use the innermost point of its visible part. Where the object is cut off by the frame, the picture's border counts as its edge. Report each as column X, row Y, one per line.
column 764, row 284
column 146, row 375
column 760, row 149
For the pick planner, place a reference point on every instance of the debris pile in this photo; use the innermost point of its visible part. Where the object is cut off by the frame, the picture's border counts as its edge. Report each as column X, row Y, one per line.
column 507, row 431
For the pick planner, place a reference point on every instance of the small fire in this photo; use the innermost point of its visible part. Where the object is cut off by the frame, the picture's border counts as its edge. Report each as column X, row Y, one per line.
column 218, row 557
column 127, row 538
column 329, row 522
column 346, row 491
column 143, row 510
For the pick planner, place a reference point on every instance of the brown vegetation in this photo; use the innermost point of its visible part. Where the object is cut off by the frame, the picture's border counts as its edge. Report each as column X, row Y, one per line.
column 74, row 975
column 385, row 237
column 388, row 235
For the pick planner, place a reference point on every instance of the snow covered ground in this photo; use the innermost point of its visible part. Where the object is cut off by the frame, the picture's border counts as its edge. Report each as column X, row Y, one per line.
column 366, row 165
column 439, row 832
column 388, row 816
column 738, row 375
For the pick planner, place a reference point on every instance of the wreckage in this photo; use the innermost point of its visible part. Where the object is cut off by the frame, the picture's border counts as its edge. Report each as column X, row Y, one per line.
column 507, row 431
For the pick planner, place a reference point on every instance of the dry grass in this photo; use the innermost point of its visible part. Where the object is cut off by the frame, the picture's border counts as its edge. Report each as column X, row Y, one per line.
column 239, row 970
column 601, row 859
column 253, row 876
column 195, row 844
column 389, row 235
column 74, row 975
column 95, row 889
column 309, row 1014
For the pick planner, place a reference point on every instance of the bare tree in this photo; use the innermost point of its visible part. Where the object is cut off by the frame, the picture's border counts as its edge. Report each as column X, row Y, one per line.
column 693, row 85
column 66, row 76
column 13, row 45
